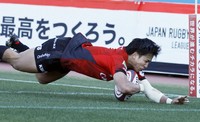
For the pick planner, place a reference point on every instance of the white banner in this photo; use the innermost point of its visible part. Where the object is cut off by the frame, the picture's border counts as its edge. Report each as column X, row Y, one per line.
column 35, row 24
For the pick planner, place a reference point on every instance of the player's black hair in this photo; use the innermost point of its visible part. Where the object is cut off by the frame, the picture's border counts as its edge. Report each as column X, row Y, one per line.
column 143, row 47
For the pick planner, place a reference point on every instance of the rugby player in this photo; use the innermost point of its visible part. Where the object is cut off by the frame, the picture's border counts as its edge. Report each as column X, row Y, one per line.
column 56, row 57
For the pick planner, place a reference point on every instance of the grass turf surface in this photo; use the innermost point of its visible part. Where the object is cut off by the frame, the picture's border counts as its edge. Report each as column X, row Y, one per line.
column 69, row 99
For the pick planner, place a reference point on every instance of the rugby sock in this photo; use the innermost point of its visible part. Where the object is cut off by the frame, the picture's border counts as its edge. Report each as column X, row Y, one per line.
column 2, row 50
column 19, row 46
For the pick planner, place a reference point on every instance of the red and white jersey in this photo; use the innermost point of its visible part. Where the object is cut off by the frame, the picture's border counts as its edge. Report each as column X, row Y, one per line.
column 97, row 62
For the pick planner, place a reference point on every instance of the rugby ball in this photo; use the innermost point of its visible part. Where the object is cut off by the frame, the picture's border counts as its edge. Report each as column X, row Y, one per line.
column 132, row 77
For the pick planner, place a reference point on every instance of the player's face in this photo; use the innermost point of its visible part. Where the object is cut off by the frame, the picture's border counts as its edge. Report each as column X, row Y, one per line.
column 140, row 62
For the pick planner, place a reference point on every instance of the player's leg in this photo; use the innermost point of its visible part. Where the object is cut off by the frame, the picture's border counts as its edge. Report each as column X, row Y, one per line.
column 23, row 61
column 50, row 67
column 15, row 43
column 2, row 51
column 45, row 78
column 23, row 64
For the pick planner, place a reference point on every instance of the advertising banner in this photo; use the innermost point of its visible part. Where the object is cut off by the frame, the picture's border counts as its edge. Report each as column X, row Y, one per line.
column 194, row 55
column 35, row 24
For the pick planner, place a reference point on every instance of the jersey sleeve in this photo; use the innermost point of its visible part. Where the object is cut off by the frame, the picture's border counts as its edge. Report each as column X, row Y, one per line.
column 121, row 69
column 141, row 75
column 119, row 65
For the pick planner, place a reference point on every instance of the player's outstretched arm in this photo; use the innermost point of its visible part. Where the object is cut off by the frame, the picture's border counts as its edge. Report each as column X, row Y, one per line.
column 157, row 96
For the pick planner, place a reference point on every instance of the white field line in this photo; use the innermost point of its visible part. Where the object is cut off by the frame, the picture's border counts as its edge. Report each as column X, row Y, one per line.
column 55, row 84
column 69, row 85
column 80, row 93
column 100, row 108
column 56, row 93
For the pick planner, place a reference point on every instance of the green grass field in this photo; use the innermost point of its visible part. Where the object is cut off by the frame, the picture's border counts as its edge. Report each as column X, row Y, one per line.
column 23, row 99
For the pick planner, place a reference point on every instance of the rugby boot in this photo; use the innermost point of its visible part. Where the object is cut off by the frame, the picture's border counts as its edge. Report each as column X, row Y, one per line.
column 15, row 43
column 12, row 41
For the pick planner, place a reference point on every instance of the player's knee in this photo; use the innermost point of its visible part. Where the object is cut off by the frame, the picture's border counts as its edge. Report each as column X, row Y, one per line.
column 41, row 79
column 42, row 82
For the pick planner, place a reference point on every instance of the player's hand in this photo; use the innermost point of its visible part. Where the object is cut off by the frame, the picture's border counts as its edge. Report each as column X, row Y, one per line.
column 180, row 100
